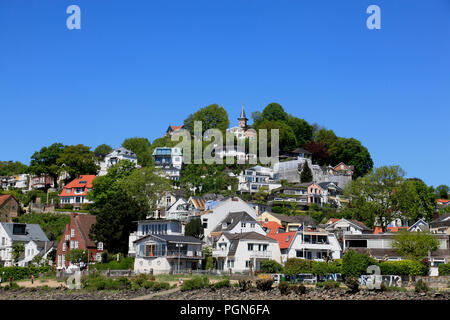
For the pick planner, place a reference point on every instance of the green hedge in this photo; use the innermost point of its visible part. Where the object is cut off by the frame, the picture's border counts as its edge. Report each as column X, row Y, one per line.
column 20, row 273
column 295, row 266
column 124, row 264
column 355, row 264
column 444, row 269
column 403, row 268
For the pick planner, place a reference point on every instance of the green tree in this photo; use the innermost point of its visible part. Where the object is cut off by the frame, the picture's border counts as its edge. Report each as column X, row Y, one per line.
column 326, row 137
column 146, row 186
column 104, row 187
column 287, row 139
column 302, row 129
column 414, row 245
column 194, row 229
column 442, row 191
column 142, row 148
column 9, row 168
column 212, row 117
column 355, row 264
column 103, row 150
column 274, row 112
column 77, row 160
column 116, row 220
column 351, row 152
column 306, row 175
column 416, row 200
column 44, row 161
column 271, row 266
column 75, row 256
column 374, row 195
column 18, row 248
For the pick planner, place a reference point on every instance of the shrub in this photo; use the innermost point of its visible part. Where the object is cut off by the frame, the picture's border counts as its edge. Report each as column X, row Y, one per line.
column 352, row 284
column 295, row 266
column 157, row 286
column 444, row 269
column 319, row 268
column 355, row 264
column 195, row 283
column 12, row 286
column 403, row 268
column 335, row 266
column 245, row 284
column 299, row 289
column 394, row 288
column 330, row 284
column 140, row 279
column 421, row 286
column 126, row 263
column 264, row 284
column 20, row 273
column 222, row 284
column 284, row 288
column 271, row 266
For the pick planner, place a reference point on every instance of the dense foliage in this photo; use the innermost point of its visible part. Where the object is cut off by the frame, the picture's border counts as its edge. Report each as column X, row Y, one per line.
column 444, row 269
column 355, row 264
column 414, row 245
column 9, row 168
column 271, row 266
column 194, row 228
column 52, row 224
column 20, row 273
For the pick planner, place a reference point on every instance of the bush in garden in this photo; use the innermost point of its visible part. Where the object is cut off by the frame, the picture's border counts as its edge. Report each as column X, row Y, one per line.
column 299, row 289
column 284, row 288
column 352, row 284
column 222, row 284
column 295, row 266
column 403, row 268
column 20, row 273
column 195, row 283
column 157, row 286
column 264, row 284
column 444, row 269
column 355, row 264
column 335, row 266
column 271, row 266
column 245, row 285
column 330, row 284
column 319, row 268
column 421, row 286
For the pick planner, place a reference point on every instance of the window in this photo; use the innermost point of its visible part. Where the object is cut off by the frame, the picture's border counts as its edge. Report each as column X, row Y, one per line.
column 67, row 237
column 252, row 225
column 76, row 244
column 247, row 264
column 250, row 246
column 299, row 254
column 72, row 232
column 243, row 225
column 64, row 247
column 68, row 190
column 3, row 241
column 72, row 244
column 100, row 246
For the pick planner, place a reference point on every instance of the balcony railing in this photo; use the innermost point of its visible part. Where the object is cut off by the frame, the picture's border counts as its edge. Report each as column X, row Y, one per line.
column 260, row 254
column 219, row 253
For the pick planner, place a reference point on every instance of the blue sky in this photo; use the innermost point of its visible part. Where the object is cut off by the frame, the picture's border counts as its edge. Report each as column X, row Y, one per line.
column 137, row 66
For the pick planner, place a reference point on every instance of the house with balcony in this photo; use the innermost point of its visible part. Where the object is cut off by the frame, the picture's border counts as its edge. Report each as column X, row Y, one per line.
column 242, row 252
column 237, row 222
column 379, row 246
column 159, row 246
column 75, row 192
column 31, row 235
column 341, row 227
column 257, row 178
column 19, row 181
column 309, row 245
column 169, row 160
column 114, row 157
column 296, row 195
column 441, row 224
column 43, row 181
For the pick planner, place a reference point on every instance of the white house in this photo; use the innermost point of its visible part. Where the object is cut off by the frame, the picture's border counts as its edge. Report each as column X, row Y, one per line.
column 313, row 245
column 345, row 226
column 160, row 247
column 220, row 212
column 419, row 225
column 169, row 160
column 180, row 210
column 31, row 235
column 238, row 222
column 240, row 251
column 114, row 157
column 258, row 177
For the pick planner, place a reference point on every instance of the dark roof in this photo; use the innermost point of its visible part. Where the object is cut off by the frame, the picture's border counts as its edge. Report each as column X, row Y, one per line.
column 300, row 150
column 84, row 223
column 356, row 223
column 172, row 238
column 442, row 221
column 33, row 232
column 303, row 219
column 232, row 219
column 236, row 237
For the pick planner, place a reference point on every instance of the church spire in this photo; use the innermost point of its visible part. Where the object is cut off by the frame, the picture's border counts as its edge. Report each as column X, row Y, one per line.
column 242, row 119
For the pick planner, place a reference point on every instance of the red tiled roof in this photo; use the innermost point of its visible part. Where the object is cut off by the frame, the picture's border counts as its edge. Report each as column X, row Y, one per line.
column 76, row 183
column 378, row 230
column 442, row 200
column 4, row 197
column 175, row 128
column 282, row 237
column 272, row 226
column 84, row 223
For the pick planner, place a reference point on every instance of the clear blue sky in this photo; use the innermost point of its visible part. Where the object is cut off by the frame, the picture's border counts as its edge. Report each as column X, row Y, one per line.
column 137, row 66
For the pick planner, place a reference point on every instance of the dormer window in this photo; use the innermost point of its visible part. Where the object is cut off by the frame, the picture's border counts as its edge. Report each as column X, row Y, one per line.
column 224, row 225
